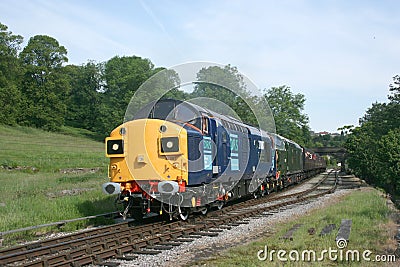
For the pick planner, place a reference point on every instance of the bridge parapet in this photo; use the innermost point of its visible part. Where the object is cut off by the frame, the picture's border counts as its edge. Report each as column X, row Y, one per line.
column 329, row 150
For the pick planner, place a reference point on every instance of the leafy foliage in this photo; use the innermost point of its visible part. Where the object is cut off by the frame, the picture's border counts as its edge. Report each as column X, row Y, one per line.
column 328, row 140
column 287, row 108
column 163, row 84
column 44, row 51
column 84, row 99
column 10, row 71
column 44, row 85
column 122, row 77
column 227, row 86
column 374, row 146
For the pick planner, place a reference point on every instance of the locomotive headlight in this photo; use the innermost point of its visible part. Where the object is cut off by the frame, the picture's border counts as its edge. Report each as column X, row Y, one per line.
column 169, row 145
column 114, row 147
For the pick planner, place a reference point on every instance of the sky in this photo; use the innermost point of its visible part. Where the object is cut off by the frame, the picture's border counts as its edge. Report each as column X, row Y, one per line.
column 341, row 55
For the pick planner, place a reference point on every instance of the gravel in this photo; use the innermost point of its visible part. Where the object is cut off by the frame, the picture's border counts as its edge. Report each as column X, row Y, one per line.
column 191, row 252
column 203, row 248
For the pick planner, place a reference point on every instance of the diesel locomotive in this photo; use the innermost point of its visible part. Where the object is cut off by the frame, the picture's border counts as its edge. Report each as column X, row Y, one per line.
column 175, row 158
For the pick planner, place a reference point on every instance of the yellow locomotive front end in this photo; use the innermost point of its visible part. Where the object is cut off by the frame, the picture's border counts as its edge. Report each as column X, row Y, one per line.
column 147, row 157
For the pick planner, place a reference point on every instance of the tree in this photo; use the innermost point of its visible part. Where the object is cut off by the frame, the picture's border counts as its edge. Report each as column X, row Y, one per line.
column 394, row 88
column 10, row 71
column 122, row 77
column 84, row 100
column 227, row 86
column 45, row 86
column 287, row 109
column 374, row 146
column 44, row 51
column 389, row 160
column 361, row 147
column 393, row 107
column 346, row 129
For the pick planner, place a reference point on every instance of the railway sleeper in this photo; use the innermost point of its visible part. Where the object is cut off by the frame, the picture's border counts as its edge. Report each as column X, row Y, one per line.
column 107, row 263
column 344, row 230
column 194, row 235
column 327, row 229
column 126, row 257
column 174, row 243
column 289, row 234
column 147, row 252
column 206, row 233
column 226, row 227
column 159, row 247
column 185, row 240
column 243, row 222
column 215, row 230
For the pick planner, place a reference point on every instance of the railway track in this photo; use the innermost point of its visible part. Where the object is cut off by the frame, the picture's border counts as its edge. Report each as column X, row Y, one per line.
column 124, row 241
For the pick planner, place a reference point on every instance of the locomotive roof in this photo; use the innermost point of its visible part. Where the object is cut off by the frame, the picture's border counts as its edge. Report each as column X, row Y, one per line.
column 192, row 111
column 280, row 141
column 252, row 130
column 171, row 104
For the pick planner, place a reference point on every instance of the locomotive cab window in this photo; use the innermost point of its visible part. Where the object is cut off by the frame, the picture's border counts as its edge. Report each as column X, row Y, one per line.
column 184, row 113
column 171, row 110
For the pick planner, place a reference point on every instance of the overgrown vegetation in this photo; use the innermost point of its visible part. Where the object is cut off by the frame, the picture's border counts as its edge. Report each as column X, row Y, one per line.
column 42, row 179
column 329, row 140
column 374, row 146
column 369, row 214
column 287, row 109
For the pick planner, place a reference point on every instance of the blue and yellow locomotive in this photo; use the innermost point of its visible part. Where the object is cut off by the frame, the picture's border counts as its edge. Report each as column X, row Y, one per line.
column 176, row 158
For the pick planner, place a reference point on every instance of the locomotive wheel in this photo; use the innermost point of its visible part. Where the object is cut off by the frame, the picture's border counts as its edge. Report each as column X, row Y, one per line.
column 220, row 205
column 183, row 213
column 204, row 211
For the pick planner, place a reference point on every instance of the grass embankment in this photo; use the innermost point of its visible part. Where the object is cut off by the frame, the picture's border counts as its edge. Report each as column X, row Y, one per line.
column 34, row 191
column 371, row 230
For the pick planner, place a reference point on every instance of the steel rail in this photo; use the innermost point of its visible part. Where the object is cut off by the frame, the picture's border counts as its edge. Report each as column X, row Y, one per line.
column 96, row 248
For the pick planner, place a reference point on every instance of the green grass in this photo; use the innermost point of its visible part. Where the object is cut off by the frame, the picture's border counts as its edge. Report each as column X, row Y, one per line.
column 47, row 151
column 30, row 197
column 369, row 215
column 77, row 132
